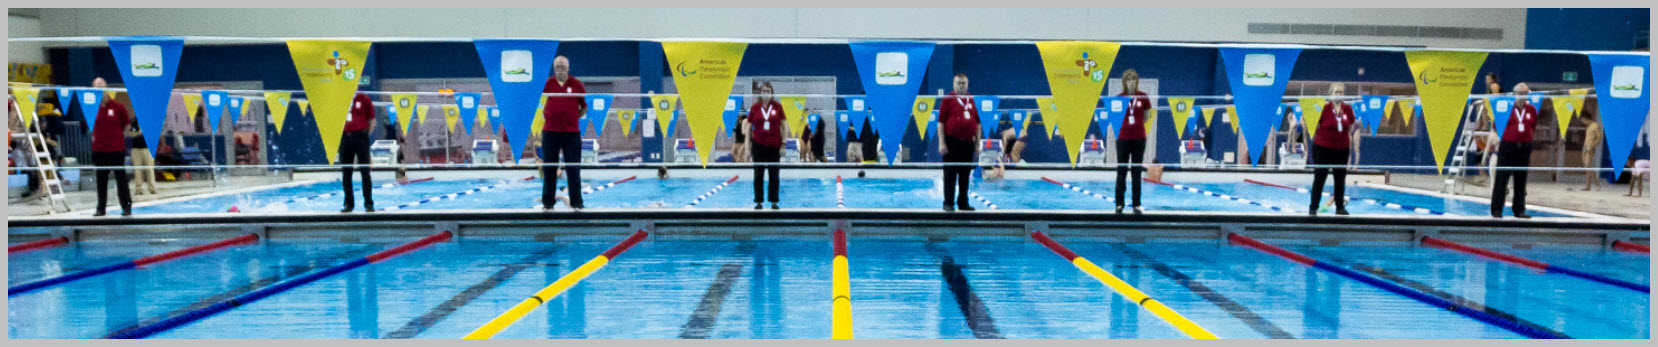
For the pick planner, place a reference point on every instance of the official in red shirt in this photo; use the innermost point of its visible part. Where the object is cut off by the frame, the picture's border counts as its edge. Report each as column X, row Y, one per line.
column 1131, row 141
column 353, row 152
column 765, row 125
column 109, row 149
column 561, row 135
column 1330, row 150
column 960, row 121
column 1515, row 152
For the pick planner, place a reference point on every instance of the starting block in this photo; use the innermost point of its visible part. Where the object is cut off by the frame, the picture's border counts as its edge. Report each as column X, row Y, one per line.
column 1092, row 153
column 383, row 152
column 484, row 152
column 589, row 151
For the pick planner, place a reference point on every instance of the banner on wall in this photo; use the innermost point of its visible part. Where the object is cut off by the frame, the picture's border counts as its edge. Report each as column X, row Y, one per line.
column 598, row 107
column 214, row 103
column 1180, row 109
column 148, row 66
column 1257, row 77
column 277, row 104
column 1311, row 109
column 329, row 70
column 405, row 106
column 922, row 113
column 451, row 116
column 891, row 73
column 1500, row 108
column 728, row 117
column 1622, row 81
column 91, row 100
column 1370, row 111
column 1443, row 81
column 517, row 71
column 665, row 115
column 794, row 114
column 467, row 104
column 626, row 119
column 26, row 98
column 1076, row 72
column 704, row 72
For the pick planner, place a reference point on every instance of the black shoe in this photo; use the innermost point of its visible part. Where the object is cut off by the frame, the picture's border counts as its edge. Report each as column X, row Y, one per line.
column 546, row 207
column 1312, row 211
column 1495, row 214
column 369, row 208
column 949, row 207
column 774, row 206
column 99, row 213
column 1119, row 210
column 965, row 207
column 1138, row 210
column 757, row 205
column 126, row 212
column 576, row 208
column 346, row 210
column 1341, row 212
column 1522, row 215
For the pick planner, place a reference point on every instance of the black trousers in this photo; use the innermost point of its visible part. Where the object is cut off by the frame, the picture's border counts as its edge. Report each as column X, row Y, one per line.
column 1511, row 154
column 565, row 146
column 354, row 150
column 105, row 160
column 957, row 178
column 763, row 188
column 1329, row 156
column 1131, row 152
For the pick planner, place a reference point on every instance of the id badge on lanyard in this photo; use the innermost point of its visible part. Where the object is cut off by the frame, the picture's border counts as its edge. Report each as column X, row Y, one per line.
column 766, row 125
column 1523, row 116
column 1339, row 117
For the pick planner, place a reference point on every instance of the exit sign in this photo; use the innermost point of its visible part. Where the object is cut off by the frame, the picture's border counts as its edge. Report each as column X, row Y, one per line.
column 1568, row 76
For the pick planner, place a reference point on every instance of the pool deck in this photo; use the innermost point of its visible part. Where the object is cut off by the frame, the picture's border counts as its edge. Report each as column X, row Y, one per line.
column 1606, row 199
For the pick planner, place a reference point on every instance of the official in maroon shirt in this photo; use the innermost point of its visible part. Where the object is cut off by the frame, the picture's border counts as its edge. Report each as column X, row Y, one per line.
column 109, row 149
column 1331, row 146
column 960, row 121
column 765, row 124
column 353, row 152
column 1131, row 141
column 1515, row 152
column 560, row 134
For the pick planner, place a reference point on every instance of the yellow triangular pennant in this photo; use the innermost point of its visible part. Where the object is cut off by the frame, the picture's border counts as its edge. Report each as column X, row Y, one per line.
column 625, row 119
column 277, row 104
column 451, row 116
column 26, row 99
column 191, row 102
column 1180, row 109
column 921, row 113
column 664, row 106
column 1312, row 109
column 704, row 73
column 794, row 114
column 405, row 106
column 1076, row 72
column 1050, row 114
column 329, row 70
column 1443, row 81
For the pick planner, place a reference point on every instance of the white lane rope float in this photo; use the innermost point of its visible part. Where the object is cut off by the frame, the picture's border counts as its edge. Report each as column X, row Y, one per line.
column 710, row 192
column 840, row 193
column 1080, row 190
column 1392, row 205
column 1194, row 190
column 982, row 200
column 590, row 190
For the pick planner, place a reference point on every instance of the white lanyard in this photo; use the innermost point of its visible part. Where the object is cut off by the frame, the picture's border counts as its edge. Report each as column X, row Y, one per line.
column 966, row 107
column 1339, row 117
column 1522, row 115
column 765, row 113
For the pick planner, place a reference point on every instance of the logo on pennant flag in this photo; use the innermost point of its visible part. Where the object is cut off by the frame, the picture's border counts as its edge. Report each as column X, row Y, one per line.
column 404, row 104
column 1258, row 69
column 517, row 66
column 892, row 68
column 1181, row 110
column 1626, row 81
column 146, row 60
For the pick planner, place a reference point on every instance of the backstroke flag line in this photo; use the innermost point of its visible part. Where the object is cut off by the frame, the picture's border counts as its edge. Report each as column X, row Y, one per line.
column 329, row 69
column 148, row 66
column 277, row 104
column 1443, row 81
column 405, row 106
column 704, row 71
column 1621, row 82
column 1181, row 110
column 1257, row 77
column 891, row 72
column 517, row 70
column 214, row 102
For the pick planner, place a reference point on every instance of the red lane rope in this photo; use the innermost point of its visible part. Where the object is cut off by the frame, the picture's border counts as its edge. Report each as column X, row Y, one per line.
column 1264, row 247
column 623, row 247
column 840, row 242
column 1431, row 241
column 405, row 248
column 197, row 249
column 1631, row 247
column 1269, row 184
column 34, row 245
column 1054, row 246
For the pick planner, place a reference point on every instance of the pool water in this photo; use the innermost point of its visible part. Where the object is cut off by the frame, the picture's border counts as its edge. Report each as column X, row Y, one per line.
column 780, row 289
column 907, row 193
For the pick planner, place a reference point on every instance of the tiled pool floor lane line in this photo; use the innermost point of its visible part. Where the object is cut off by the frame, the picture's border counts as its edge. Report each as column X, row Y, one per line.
column 244, row 299
column 512, row 315
column 1470, row 312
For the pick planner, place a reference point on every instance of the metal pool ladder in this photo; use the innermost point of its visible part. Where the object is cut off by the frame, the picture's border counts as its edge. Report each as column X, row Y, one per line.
column 42, row 155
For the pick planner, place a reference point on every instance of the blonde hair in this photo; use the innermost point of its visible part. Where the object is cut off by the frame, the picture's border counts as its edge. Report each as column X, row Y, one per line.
column 1128, row 75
